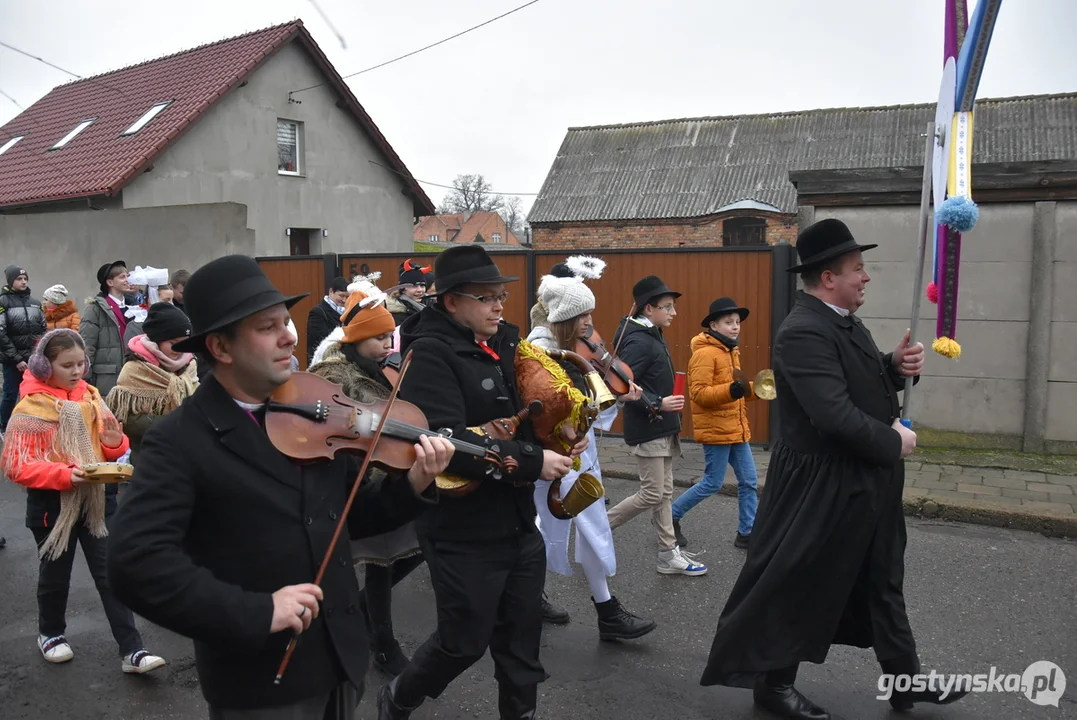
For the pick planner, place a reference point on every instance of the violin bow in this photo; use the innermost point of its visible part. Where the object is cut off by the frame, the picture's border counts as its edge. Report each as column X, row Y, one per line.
column 348, row 506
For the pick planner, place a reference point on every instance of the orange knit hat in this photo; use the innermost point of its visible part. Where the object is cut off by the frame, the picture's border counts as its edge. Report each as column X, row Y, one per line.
column 363, row 323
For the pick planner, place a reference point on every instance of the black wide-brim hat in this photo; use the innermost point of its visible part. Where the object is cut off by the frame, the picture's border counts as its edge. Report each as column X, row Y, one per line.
column 724, row 306
column 224, row 291
column 104, row 270
column 825, row 240
column 648, row 289
column 463, row 264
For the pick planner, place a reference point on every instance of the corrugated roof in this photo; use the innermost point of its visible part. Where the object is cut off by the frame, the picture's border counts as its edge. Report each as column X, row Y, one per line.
column 691, row 167
column 100, row 160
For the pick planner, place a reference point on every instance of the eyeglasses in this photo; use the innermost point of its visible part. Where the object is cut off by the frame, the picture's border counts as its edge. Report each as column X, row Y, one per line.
column 487, row 299
column 668, row 308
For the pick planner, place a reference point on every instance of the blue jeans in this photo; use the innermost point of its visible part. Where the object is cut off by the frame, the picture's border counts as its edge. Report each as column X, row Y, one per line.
column 739, row 455
column 12, row 380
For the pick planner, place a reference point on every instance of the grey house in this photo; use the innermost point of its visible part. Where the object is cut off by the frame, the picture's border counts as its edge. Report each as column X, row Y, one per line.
column 251, row 145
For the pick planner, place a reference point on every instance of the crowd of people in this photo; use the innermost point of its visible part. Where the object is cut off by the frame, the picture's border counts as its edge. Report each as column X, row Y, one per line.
column 186, row 400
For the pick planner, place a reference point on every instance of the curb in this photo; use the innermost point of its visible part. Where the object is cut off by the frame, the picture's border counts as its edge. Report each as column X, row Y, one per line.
column 975, row 512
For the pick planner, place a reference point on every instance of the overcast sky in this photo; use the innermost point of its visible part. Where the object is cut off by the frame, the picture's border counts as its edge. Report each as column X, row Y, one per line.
column 498, row 100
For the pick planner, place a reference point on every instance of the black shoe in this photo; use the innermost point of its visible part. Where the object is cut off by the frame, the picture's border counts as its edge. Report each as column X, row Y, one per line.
column 389, row 658
column 680, row 536
column 553, row 614
column 904, row 701
column 517, row 703
column 741, row 541
column 388, row 709
column 616, row 623
column 775, row 692
column 3, row 543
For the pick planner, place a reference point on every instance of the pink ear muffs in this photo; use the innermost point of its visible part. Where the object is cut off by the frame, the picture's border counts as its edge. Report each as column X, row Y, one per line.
column 39, row 365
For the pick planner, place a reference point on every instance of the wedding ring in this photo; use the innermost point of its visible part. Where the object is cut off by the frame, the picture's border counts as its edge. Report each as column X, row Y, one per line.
column 303, row 611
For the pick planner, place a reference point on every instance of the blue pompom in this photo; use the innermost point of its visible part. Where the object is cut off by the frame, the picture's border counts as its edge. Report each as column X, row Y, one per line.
column 958, row 213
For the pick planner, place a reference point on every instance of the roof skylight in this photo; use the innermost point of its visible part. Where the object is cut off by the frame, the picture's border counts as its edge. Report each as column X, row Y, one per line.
column 71, row 135
column 146, row 117
column 10, row 143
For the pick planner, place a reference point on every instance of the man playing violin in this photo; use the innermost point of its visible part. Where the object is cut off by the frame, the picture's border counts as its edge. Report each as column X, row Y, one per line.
column 487, row 559
column 221, row 533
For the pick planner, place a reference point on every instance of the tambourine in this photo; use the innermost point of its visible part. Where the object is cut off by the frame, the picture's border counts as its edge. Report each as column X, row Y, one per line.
column 108, row 472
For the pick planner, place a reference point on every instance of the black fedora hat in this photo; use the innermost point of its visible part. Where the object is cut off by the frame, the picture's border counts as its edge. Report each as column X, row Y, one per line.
column 463, row 264
column 648, row 289
column 224, row 291
column 104, row 270
column 724, row 306
column 825, row 240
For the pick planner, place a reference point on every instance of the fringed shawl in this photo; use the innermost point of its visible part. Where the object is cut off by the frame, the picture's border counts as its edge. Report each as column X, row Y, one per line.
column 145, row 389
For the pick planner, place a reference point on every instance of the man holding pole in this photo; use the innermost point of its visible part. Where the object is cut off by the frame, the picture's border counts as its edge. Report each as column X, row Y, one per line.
column 826, row 562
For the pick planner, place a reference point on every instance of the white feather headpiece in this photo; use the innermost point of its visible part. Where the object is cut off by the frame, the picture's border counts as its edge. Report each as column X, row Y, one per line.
column 585, row 266
column 367, row 284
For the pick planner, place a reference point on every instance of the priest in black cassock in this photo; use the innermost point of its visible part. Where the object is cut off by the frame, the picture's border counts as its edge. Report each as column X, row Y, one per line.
column 826, row 561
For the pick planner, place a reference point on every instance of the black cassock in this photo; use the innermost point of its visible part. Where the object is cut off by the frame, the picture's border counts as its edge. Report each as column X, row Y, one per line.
column 826, row 560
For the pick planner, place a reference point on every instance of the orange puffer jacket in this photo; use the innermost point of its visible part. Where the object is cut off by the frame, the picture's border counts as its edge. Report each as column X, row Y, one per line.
column 63, row 316
column 717, row 418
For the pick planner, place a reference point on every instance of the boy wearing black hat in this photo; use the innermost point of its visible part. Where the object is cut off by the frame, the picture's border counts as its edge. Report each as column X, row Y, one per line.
column 825, row 564
column 487, row 558
column 104, row 323
column 221, row 534
column 652, row 424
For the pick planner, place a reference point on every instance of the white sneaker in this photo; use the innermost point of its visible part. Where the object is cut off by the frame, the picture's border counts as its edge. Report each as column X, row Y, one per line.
column 140, row 662
column 55, row 649
column 674, row 562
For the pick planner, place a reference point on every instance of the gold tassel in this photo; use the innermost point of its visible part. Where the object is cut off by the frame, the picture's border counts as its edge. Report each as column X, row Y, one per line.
column 947, row 347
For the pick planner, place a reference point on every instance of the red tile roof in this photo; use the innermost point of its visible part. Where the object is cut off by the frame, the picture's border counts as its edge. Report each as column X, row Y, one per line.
column 100, row 161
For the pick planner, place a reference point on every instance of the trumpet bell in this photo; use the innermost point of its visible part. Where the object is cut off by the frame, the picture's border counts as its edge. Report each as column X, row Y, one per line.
column 603, row 398
column 764, row 385
column 584, row 492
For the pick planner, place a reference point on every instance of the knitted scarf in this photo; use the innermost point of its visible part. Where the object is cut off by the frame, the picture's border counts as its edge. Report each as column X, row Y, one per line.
column 143, row 388
column 49, row 428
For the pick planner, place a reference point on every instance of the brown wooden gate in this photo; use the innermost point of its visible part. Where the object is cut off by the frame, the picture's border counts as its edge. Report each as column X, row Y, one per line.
column 298, row 275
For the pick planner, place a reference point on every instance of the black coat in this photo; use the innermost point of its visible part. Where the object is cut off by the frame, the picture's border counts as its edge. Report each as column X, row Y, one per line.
column 458, row 385
column 644, row 349
column 825, row 563
column 321, row 321
column 22, row 324
column 216, row 520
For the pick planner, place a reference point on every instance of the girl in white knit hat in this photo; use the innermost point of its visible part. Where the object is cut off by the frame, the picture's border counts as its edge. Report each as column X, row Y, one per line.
column 568, row 304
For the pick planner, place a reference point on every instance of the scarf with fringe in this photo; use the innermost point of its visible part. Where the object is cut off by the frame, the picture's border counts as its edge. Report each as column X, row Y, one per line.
column 144, row 388
column 49, row 428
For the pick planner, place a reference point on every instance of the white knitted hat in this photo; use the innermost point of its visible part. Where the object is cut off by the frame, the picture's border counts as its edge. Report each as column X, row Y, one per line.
column 57, row 295
column 565, row 298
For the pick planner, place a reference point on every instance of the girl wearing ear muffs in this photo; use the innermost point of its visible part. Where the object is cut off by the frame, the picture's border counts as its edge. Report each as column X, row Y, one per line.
column 60, row 425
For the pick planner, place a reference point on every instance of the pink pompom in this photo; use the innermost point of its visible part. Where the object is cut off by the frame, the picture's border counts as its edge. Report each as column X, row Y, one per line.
column 933, row 292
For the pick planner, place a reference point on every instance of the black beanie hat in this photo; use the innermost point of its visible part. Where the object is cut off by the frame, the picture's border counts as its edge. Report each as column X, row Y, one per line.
column 13, row 271
column 164, row 322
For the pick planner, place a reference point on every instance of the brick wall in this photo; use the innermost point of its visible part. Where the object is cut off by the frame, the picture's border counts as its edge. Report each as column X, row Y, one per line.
column 696, row 232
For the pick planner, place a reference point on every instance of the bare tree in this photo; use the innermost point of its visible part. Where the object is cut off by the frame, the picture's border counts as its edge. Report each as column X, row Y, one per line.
column 469, row 194
column 513, row 213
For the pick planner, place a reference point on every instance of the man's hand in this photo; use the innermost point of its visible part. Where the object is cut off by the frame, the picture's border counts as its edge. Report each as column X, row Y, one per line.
column 111, row 436
column 295, row 607
column 579, row 448
column 554, row 465
column 909, row 361
column 432, row 456
column 908, row 439
column 21, row 367
column 673, row 403
column 635, row 392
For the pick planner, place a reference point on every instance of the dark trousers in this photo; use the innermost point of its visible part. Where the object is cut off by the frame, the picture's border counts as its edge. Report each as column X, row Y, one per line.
column 488, row 595
column 12, row 379
column 54, row 582
column 378, row 596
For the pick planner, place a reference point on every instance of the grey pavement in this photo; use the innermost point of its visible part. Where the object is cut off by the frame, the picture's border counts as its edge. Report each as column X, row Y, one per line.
column 1007, row 498
column 977, row 597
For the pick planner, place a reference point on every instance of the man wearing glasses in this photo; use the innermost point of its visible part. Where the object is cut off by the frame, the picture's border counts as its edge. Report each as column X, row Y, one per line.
column 486, row 557
column 652, row 424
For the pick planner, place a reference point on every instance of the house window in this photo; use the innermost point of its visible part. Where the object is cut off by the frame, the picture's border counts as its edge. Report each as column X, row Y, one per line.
column 434, row 238
column 10, row 143
column 289, row 147
column 71, row 135
column 739, row 232
column 146, row 117
column 496, row 237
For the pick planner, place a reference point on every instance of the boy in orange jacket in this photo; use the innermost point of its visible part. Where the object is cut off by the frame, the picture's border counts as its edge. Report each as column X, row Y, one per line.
column 719, row 417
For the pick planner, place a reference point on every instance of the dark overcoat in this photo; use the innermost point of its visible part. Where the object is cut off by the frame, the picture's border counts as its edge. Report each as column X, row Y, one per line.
column 825, row 564
column 217, row 519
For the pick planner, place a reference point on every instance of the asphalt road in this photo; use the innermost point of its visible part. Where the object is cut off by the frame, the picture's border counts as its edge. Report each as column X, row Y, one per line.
column 977, row 597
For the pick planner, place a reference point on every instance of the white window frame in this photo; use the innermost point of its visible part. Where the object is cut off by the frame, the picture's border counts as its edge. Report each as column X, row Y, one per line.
column 496, row 237
column 146, row 117
column 75, row 132
column 10, row 143
column 298, row 172
column 434, row 238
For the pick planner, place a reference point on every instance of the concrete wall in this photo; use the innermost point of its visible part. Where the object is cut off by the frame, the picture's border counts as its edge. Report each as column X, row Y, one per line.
column 1015, row 384
column 230, row 155
column 69, row 247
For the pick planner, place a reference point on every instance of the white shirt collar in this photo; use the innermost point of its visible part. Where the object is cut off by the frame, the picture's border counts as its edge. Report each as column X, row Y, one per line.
column 645, row 322
column 249, row 407
column 839, row 310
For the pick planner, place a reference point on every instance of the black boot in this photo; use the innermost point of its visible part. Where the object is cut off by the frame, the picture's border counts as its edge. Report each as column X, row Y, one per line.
column 775, row 692
column 389, row 708
column 681, row 540
column 516, row 703
column 616, row 623
column 552, row 613
column 904, row 701
column 388, row 657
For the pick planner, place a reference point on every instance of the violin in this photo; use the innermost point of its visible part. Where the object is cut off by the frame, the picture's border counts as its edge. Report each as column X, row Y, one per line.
column 615, row 373
column 310, row 417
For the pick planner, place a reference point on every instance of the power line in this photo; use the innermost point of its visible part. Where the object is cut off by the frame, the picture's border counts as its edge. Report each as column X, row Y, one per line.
column 57, row 67
column 447, row 187
column 416, row 52
column 13, row 100
column 329, row 22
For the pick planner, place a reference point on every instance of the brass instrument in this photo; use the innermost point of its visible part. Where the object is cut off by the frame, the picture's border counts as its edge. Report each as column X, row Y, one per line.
column 586, row 490
column 763, row 384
